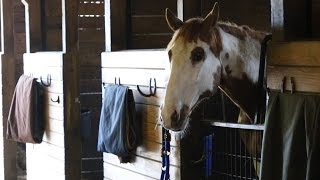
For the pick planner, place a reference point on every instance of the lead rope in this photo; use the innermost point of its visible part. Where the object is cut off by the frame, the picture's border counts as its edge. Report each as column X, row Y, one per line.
column 165, row 152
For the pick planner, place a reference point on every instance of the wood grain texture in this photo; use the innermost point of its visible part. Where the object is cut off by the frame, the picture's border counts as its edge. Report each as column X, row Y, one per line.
column 118, row 173
column 141, row 166
column 306, row 79
column 295, row 53
column 8, row 70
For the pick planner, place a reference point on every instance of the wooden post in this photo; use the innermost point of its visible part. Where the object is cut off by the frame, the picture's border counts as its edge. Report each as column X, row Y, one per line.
column 8, row 155
column 71, row 90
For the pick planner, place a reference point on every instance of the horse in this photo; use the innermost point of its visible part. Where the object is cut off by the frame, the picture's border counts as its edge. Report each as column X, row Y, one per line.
column 206, row 54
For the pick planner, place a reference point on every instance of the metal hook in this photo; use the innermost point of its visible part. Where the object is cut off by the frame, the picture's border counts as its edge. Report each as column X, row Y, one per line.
column 292, row 85
column 48, row 81
column 152, row 93
column 115, row 81
column 283, row 84
column 57, row 101
column 104, row 85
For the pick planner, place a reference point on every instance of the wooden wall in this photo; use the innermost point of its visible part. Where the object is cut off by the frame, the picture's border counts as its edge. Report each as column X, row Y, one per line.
column 135, row 68
column 91, row 44
column 255, row 14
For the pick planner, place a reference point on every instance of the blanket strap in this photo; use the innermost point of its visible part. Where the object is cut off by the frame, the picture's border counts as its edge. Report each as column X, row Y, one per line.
column 165, row 152
column 208, row 152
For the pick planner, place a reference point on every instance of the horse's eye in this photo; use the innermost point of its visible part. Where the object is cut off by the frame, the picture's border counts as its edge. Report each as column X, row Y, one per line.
column 197, row 54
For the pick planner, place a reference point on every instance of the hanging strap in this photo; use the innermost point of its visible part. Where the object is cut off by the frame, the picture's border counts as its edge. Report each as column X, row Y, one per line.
column 208, row 151
column 165, row 152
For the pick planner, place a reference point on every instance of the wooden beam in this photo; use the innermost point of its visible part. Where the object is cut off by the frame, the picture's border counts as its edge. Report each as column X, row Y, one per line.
column 8, row 156
column 71, row 90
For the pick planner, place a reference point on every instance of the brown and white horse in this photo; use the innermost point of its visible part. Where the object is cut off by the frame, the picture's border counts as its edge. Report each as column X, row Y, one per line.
column 206, row 55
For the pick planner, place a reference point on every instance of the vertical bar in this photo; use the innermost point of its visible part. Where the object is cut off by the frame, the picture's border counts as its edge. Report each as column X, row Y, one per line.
column 27, row 24
column 63, row 16
column 240, row 147
column 180, row 9
column 107, row 24
column 235, row 152
column 8, row 71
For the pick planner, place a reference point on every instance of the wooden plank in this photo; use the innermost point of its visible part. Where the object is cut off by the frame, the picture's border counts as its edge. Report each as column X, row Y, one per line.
column 148, row 113
column 116, row 172
column 71, row 84
column 44, row 72
column 54, row 112
column 92, row 174
column 306, row 79
column 46, row 59
column 54, row 138
column 91, row 48
column 142, row 166
column 91, row 8
column 91, row 35
column 8, row 70
column 153, row 100
column 147, row 41
column 47, row 149
column 35, row 20
column 153, row 132
column 42, row 166
column 191, row 8
column 298, row 53
column 119, row 23
column 152, row 7
column 91, row 22
column 54, row 125
column 53, row 8
column 90, row 72
column 149, row 24
column 140, row 59
column 254, row 14
column 55, row 86
column 54, row 22
column 54, row 40
column 92, row 164
column 88, row 86
column 152, row 150
column 135, row 76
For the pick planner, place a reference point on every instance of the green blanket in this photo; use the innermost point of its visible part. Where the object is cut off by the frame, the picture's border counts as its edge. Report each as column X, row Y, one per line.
column 291, row 144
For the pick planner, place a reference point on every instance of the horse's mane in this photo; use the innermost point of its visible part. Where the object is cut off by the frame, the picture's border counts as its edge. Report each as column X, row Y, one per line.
column 191, row 30
column 241, row 32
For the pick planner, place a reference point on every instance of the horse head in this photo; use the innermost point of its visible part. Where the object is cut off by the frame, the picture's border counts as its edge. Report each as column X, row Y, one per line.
column 206, row 54
column 195, row 66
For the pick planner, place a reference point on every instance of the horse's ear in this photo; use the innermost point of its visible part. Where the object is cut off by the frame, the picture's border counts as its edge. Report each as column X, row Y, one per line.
column 173, row 22
column 212, row 18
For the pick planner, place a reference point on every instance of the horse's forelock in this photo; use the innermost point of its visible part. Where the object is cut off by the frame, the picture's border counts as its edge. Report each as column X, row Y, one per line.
column 192, row 30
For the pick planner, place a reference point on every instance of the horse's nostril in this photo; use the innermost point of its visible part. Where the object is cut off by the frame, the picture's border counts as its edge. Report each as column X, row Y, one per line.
column 174, row 116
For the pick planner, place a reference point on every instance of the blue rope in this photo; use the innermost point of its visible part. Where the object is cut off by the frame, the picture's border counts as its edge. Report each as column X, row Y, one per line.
column 165, row 175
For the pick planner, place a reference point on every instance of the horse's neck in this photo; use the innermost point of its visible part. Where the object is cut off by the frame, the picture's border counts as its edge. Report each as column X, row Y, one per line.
column 240, row 61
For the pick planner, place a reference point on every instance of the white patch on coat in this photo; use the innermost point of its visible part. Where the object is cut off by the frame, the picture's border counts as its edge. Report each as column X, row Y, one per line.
column 247, row 51
column 188, row 81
